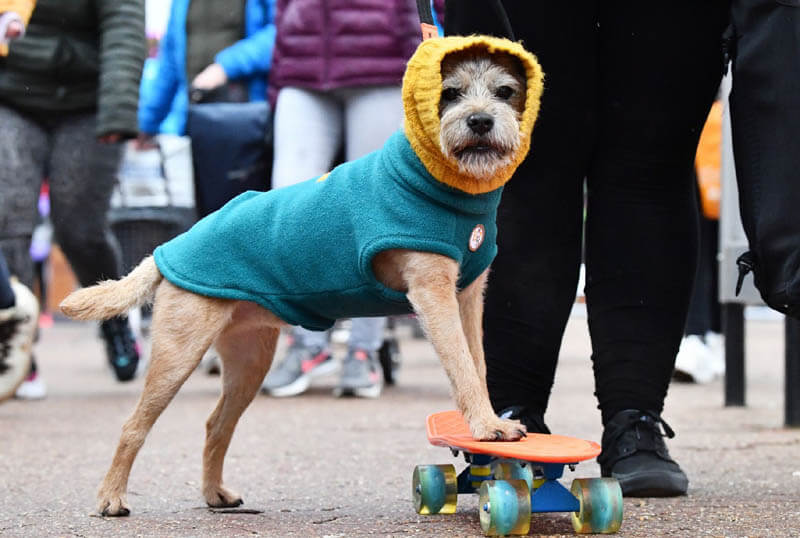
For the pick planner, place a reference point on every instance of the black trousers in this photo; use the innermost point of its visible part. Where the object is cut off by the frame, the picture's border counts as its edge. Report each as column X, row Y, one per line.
column 705, row 312
column 7, row 298
column 628, row 86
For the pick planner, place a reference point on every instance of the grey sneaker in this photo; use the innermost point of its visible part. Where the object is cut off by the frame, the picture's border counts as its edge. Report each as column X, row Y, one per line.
column 293, row 375
column 361, row 375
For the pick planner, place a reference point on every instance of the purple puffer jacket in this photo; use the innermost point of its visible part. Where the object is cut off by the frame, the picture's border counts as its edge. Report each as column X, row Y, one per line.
column 329, row 44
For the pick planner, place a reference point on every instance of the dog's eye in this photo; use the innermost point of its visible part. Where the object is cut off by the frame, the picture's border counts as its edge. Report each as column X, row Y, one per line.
column 504, row 92
column 450, row 94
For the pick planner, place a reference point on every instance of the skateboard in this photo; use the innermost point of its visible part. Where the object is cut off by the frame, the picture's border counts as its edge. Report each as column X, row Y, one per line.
column 515, row 479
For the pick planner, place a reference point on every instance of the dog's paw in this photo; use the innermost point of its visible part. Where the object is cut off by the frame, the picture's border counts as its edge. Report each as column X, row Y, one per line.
column 221, row 497
column 497, row 429
column 113, row 506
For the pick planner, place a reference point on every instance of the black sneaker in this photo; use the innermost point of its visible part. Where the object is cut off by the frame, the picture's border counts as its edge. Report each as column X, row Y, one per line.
column 534, row 422
column 635, row 454
column 121, row 347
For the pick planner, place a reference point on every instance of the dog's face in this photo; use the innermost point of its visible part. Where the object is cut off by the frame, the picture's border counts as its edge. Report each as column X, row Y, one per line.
column 483, row 97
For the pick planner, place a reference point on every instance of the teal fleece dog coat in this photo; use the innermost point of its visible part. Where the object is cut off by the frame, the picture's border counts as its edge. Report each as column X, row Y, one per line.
column 305, row 252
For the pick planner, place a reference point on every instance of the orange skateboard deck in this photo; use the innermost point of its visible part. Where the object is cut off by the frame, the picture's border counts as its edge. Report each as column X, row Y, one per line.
column 448, row 429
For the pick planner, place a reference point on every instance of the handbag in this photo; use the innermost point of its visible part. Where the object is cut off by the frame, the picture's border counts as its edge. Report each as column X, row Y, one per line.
column 764, row 45
column 231, row 146
column 153, row 200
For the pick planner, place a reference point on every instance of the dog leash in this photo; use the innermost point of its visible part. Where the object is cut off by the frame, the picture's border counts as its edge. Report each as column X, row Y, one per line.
column 429, row 29
column 426, row 22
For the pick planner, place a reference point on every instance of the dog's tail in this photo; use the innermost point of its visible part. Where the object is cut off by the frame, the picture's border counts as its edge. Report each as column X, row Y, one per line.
column 114, row 297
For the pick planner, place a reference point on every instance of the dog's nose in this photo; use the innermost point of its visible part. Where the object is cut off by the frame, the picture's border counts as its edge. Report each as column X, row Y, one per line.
column 480, row 123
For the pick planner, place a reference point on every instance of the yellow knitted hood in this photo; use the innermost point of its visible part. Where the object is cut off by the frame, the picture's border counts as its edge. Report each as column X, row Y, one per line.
column 422, row 88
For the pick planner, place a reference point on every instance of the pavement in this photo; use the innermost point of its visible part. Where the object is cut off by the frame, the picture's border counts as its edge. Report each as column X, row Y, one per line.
column 322, row 467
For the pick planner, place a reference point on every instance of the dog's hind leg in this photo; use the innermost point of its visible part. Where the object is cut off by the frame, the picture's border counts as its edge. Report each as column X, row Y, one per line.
column 184, row 325
column 246, row 356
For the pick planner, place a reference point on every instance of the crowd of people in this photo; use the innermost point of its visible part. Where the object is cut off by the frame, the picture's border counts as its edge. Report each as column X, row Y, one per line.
column 619, row 125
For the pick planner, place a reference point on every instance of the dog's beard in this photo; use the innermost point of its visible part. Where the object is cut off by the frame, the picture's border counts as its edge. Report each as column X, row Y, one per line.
column 480, row 156
column 482, row 159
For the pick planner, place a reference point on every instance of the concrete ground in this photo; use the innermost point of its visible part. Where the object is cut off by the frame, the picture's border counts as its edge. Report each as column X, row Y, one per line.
column 318, row 466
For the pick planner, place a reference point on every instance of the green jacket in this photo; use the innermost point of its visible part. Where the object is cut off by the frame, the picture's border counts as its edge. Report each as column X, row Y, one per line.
column 79, row 56
column 305, row 252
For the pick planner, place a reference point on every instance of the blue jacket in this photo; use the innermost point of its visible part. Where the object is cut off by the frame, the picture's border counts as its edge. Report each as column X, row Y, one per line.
column 165, row 89
column 305, row 252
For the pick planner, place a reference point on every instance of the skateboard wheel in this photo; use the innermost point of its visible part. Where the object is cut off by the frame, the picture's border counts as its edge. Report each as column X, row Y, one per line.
column 434, row 489
column 504, row 507
column 513, row 470
column 601, row 505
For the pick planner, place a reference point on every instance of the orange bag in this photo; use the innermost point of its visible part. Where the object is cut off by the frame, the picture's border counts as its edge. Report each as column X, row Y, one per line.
column 707, row 162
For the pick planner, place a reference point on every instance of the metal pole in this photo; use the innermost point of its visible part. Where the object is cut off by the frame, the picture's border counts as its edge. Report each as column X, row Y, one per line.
column 792, row 391
column 733, row 329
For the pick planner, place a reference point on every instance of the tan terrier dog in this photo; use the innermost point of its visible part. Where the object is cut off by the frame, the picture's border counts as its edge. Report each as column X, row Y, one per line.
column 470, row 105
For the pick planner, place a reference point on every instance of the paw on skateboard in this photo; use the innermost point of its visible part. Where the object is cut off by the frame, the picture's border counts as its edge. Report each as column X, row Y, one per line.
column 515, row 479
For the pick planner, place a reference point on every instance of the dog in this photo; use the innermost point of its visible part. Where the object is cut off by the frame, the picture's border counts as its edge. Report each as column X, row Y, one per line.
column 470, row 105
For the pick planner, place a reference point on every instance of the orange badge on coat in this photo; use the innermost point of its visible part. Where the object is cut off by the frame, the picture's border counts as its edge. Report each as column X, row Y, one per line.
column 476, row 237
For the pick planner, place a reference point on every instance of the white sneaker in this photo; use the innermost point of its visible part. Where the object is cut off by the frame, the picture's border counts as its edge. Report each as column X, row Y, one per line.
column 695, row 361
column 211, row 363
column 716, row 345
column 33, row 388
column 340, row 334
column 17, row 331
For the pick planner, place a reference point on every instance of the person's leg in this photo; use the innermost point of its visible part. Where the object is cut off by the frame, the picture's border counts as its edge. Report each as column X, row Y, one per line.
column 371, row 116
column 6, row 293
column 362, row 375
column 710, row 234
column 698, row 320
column 713, row 337
column 367, row 334
column 696, row 361
column 533, row 280
column 308, row 134
column 82, row 177
column 655, row 94
column 24, row 146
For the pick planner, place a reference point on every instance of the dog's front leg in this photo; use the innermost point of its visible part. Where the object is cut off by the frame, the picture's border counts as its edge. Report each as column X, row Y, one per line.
column 432, row 293
column 470, row 305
